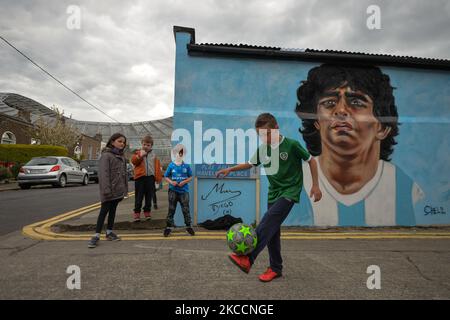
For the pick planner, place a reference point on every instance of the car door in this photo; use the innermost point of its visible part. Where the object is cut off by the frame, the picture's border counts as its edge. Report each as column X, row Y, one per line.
column 68, row 170
column 78, row 174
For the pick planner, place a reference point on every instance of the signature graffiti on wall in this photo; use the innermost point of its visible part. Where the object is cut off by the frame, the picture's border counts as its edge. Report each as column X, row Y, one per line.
column 429, row 210
column 221, row 198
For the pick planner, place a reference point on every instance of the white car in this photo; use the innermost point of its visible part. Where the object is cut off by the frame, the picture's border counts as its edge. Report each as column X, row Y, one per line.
column 57, row 171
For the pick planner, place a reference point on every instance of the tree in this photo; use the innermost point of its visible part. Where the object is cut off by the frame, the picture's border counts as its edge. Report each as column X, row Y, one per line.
column 55, row 131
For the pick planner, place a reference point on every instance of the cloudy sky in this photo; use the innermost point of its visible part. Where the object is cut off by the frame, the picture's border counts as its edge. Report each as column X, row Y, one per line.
column 122, row 57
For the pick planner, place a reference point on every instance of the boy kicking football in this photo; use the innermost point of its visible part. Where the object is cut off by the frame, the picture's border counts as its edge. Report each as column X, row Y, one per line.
column 283, row 163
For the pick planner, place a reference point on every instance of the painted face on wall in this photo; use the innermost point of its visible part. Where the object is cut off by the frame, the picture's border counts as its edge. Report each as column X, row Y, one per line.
column 346, row 121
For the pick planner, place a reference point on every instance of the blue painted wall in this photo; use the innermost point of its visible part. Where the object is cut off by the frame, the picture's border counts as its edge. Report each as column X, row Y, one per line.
column 230, row 92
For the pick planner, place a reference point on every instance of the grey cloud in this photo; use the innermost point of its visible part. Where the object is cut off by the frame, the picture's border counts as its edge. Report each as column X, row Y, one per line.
column 122, row 59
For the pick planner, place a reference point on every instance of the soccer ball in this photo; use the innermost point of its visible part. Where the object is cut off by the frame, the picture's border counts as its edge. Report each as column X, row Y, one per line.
column 242, row 239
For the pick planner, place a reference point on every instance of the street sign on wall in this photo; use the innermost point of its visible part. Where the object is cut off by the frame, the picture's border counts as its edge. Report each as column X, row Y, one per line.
column 236, row 195
column 209, row 171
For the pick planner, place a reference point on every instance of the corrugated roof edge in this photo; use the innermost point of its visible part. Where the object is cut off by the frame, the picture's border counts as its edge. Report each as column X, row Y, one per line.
column 267, row 52
column 45, row 111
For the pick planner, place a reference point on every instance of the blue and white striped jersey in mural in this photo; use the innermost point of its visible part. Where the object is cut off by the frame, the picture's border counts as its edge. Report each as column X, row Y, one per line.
column 388, row 199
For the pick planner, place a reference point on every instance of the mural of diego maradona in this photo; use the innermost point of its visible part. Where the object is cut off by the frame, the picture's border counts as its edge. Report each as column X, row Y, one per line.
column 349, row 123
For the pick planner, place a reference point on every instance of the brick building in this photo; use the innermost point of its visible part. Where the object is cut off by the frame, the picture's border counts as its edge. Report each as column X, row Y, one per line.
column 17, row 117
column 14, row 130
column 18, row 114
column 90, row 147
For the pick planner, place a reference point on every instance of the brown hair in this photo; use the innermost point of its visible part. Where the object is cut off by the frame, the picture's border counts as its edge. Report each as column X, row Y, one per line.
column 147, row 139
column 368, row 79
column 266, row 119
column 113, row 138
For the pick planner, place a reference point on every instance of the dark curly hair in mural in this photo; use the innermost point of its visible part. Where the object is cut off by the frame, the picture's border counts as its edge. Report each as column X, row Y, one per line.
column 368, row 79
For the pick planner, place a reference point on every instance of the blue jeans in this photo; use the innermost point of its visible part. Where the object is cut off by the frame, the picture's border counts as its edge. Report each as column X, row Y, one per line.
column 269, row 232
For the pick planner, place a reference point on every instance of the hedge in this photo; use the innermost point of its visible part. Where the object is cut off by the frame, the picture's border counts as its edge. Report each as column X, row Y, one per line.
column 22, row 153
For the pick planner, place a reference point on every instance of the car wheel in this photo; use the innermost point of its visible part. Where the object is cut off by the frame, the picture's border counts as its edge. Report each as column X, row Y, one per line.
column 85, row 180
column 24, row 186
column 62, row 181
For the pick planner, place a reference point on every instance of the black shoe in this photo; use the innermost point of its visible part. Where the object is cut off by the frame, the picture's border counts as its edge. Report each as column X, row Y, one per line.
column 112, row 237
column 167, row 231
column 190, row 231
column 155, row 206
column 93, row 242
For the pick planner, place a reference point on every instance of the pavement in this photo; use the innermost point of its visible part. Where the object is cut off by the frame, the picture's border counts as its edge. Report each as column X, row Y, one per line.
column 19, row 208
column 80, row 224
column 124, row 217
column 326, row 263
column 199, row 269
column 12, row 185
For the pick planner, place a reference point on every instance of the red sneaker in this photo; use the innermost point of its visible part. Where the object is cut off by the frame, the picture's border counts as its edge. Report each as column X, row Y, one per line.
column 137, row 216
column 269, row 275
column 243, row 262
column 147, row 215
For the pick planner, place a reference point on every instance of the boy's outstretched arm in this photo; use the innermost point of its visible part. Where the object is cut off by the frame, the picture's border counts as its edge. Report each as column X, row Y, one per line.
column 315, row 190
column 239, row 167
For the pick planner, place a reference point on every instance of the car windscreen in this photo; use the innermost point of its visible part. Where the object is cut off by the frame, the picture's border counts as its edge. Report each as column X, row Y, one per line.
column 42, row 162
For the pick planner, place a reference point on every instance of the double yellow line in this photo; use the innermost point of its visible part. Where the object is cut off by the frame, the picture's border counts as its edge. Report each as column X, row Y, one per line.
column 42, row 231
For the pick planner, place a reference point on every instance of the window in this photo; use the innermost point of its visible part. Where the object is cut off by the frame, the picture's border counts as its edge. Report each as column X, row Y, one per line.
column 66, row 162
column 90, row 163
column 8, row 138
column 73, row 163
column 42, row 161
